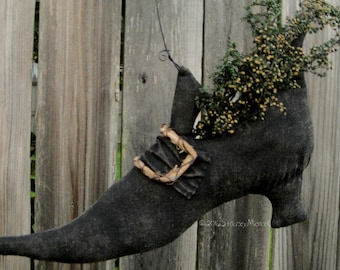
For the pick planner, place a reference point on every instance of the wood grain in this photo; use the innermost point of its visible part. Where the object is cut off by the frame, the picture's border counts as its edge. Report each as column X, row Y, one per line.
column 15, row 93
column 228, row 238
column 78, row 111
column 149, row 86
column 314, row 244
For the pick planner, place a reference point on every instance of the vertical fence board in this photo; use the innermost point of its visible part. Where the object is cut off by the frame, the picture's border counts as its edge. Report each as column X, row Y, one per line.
column 77, row 116
column 16, row 35
column 314, row 244
column 148, row 91
column 230, row 236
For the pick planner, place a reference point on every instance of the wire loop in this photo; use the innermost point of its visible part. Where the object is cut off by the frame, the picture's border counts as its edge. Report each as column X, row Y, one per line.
column 164, row 54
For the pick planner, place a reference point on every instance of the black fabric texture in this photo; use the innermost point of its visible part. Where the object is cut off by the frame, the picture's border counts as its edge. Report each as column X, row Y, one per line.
column 137, row 214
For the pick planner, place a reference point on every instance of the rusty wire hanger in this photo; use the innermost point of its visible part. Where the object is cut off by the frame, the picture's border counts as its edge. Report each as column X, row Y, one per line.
column 165, row 53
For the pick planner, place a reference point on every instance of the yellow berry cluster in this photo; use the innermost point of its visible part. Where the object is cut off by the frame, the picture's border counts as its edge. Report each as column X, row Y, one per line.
column 245, row 86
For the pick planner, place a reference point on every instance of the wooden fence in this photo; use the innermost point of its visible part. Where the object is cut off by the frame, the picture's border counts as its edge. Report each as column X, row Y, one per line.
column 86, row 114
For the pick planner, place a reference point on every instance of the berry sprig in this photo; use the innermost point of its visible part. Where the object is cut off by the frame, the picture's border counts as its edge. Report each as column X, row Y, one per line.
column 245, row 86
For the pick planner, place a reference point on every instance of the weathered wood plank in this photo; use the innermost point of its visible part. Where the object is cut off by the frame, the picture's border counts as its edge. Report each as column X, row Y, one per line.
column 234, row 235
column 77, row 117
column 314, row 244
column 16, row 35
column 148, row 90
